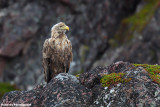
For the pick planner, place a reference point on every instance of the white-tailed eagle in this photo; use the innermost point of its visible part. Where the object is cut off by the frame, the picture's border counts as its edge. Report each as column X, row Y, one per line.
column 57, row 52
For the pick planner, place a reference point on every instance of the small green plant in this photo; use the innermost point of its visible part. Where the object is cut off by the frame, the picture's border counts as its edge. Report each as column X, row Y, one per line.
column 6, row 87
column 153, row 70
column 113, row 78
column 77, row 75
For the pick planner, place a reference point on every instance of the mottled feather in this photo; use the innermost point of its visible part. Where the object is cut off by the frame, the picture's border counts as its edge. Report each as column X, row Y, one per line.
column 57, row 54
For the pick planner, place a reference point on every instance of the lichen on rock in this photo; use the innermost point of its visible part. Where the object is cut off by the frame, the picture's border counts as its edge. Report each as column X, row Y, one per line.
column 153, row 70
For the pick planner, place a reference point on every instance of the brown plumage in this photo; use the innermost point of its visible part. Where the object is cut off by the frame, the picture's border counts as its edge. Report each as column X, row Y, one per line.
column 57, row 52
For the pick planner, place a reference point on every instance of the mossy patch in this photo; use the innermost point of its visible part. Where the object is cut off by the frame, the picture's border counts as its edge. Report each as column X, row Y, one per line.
column 135, row 23
column 77, row 75
column 153, row 70
column 113, row 78
column 6, row 87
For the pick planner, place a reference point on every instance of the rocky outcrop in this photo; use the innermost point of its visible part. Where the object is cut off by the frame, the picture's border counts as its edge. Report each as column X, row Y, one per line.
column 87, row 90
column 64, row 89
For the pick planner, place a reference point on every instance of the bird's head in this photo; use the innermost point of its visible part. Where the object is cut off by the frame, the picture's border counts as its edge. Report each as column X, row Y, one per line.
column 60, row 28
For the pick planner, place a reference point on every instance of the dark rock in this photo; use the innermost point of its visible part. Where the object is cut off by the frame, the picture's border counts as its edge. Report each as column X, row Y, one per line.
column 140, row 91
column 19, row 25
column 100, row 28
column 2, row 66
column 91, row 78
column 67, row 90
column 63, row 90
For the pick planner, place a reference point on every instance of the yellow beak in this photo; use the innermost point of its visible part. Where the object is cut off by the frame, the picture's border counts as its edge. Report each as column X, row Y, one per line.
column 67, row 28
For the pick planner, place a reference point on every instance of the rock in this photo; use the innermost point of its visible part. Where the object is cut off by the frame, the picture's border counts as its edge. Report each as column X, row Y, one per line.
column 140, row 91
column 98, row 30
column 144, row 47
column 67, row 90
column 63, row 90
column 2, row 66
column 19, row 25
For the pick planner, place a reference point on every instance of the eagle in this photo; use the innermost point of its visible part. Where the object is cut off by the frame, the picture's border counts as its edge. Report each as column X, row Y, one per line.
column 57, row 52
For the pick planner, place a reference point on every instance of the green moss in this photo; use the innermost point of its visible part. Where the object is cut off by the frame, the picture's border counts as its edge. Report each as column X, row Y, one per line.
column 113, row 78
column 153, row 70
column 6, row 87
column 140, row 19
column 77, row 75
column 136, row 22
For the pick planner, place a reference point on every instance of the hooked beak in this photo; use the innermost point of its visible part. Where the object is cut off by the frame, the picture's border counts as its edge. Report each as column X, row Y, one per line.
column 66, row 28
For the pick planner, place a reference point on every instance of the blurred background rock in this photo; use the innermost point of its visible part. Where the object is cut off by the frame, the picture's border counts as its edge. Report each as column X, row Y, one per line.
column 101, row 32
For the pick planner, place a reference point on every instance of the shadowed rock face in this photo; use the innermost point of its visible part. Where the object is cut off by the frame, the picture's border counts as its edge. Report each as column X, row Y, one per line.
column 67, row 90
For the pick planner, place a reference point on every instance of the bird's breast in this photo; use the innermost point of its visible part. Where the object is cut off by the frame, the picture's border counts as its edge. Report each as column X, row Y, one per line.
column 61, row 44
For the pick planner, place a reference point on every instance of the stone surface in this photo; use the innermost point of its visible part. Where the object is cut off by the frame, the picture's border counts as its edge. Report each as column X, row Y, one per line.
column 63, row 90
column 67, row 90
column 19, row 25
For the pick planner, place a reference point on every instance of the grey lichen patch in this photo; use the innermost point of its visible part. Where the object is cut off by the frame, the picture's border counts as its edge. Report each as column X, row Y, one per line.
column 65, row 76
column 108, row 96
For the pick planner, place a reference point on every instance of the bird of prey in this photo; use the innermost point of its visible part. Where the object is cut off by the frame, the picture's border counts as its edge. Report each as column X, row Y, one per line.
column 57, row 52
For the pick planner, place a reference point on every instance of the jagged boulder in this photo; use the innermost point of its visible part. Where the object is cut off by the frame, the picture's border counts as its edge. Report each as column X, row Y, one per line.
column 63, row 90
column 87, row 90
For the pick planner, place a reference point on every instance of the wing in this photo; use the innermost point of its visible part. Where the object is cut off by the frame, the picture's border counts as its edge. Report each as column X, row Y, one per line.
column 46, row 60
column 68, row 55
